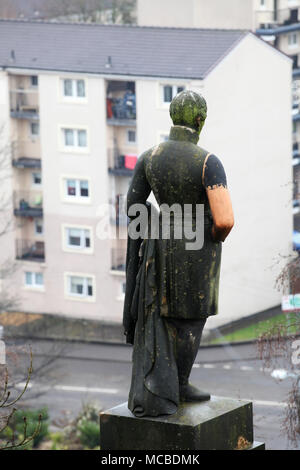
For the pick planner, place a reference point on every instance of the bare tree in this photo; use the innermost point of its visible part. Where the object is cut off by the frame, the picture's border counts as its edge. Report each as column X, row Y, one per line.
column 117, row 11
column 8, row 409
column 277, row 345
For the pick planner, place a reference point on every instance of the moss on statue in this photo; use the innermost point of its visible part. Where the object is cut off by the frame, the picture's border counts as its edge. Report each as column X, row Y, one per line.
column 189, row 109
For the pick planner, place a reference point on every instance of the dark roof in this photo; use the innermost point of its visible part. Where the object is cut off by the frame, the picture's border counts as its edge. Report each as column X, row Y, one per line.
column 134, row 50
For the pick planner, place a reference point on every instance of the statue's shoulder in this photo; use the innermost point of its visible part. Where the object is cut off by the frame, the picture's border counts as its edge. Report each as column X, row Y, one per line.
column 148, row 154
column 199, row 152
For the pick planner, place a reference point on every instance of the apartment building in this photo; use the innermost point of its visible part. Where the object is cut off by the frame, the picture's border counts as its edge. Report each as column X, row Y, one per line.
column 79, row 103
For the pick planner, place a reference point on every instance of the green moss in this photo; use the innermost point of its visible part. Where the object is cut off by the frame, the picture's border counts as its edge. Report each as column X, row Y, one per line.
column 186, row 108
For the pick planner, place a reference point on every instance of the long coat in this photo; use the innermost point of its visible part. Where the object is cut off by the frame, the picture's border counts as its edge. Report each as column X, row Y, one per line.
column 163, row 279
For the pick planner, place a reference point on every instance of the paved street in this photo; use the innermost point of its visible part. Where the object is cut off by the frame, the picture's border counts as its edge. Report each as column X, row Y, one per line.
column 101, row 373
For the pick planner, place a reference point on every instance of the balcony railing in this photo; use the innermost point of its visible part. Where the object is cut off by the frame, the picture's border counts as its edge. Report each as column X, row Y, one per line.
column 30, row 250
column 28, row 204
column 26, row 154
column 118, row 259
column 24, row 104
column 121, row 164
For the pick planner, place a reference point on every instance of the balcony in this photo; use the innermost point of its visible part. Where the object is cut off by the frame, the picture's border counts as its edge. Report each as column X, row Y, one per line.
column 293, row 17
column 121, row 103
column 24, row 104
column 28, row 204
column 30, row 250
column 26, row 162
column 26, row 154
column 121, row 165
column 118, row 259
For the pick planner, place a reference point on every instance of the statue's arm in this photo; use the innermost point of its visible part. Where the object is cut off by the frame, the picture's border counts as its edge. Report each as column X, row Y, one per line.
column 215, row 182
column 139, row 188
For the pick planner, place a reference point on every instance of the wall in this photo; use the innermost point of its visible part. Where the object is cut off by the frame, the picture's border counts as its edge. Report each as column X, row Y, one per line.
column 196, row 13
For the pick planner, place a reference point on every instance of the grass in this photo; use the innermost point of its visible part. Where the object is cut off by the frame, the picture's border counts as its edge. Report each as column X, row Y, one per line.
column 252, row 332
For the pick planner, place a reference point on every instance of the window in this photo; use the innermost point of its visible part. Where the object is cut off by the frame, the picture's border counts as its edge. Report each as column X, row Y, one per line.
column 78, row 238
column 37, row 178
column 34, row 80
column 73, row 88
column 293, row 39
column 80, row 286
column 77, row 188
column 170, row 91
column 34, row 279
column 38, row 225
column 34, row 129
column 76, row 138
column 131, row 136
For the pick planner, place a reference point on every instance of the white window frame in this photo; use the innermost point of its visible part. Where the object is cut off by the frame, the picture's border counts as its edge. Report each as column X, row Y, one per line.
column 35, row 227
column 80, row 297
column 73, row 148
column 34, row 285
column 75, row 99
column 174, row 92
column 77, row 199
column 73, row 248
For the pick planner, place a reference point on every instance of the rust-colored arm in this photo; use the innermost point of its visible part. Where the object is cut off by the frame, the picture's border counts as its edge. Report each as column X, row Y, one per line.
column 222, row 212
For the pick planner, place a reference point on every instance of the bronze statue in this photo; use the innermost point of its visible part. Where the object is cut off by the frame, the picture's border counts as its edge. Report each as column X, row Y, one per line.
column 172, row 290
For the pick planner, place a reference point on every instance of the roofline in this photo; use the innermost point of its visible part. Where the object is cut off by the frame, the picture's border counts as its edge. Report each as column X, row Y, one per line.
column 279, row 30
column 110, row 75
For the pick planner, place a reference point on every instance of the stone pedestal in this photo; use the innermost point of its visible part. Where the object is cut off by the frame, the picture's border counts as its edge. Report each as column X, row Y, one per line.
column 220, row 423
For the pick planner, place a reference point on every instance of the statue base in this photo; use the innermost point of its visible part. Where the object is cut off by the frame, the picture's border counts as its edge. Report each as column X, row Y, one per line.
column 217, row 424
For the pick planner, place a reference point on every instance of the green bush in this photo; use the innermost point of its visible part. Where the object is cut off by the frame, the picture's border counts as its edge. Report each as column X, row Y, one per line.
column 89, row 434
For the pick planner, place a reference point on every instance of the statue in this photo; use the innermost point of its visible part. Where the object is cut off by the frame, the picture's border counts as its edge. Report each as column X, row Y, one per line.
column 172, row 290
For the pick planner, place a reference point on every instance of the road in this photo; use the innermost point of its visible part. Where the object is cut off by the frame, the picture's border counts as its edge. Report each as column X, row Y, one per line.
column 100, row 373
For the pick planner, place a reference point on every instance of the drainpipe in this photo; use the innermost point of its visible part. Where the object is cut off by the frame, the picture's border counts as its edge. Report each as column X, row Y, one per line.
column 275, row 10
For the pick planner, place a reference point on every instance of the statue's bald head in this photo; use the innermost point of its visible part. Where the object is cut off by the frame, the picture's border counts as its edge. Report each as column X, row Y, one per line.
column 188, row 109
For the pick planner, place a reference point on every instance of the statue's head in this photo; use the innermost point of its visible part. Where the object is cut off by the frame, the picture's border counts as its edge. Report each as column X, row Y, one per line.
column 188, row 109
